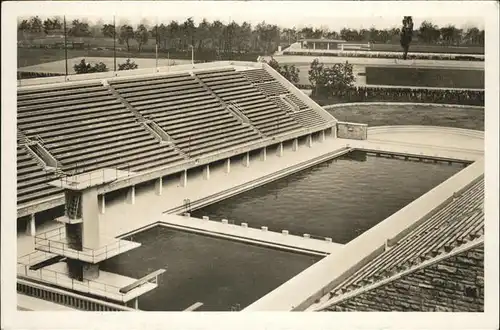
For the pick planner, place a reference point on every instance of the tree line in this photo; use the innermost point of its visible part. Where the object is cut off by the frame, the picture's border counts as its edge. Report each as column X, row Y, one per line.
column 217, row 36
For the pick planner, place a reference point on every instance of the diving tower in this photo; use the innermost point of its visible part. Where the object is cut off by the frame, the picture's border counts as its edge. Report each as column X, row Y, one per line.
column 69, row 256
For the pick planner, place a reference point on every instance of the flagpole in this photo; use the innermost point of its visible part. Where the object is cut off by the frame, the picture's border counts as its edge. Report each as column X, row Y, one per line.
column 65, row 48
column 156, row 49
column 114, row 42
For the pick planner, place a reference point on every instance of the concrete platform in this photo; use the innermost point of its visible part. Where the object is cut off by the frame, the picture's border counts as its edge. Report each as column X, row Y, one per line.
column 251, row 235
column 106, row 286
column 56, row 242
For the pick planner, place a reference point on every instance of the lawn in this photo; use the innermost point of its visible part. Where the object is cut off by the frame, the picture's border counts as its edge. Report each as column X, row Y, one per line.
column 381, row 115
column 422, row 77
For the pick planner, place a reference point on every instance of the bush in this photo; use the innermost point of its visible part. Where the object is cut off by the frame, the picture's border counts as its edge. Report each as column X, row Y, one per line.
column 84, row 67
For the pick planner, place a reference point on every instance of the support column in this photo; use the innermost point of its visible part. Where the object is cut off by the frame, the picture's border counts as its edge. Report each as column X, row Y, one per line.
column 334, row 132
column 159, row 186
column 206, row 172
column 295, row 145
column 263, row 154
column 183, row 178
column 227, row 165
column 309, row 140
column 136, row 303
column 31, row 226
column 322, row 136
column 246, row 160
column 279, row 150
column 102, row 204
column 131, row 195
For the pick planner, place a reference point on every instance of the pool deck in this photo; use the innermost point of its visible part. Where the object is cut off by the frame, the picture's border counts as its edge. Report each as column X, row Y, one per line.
column 251, row 235
column 150, row 207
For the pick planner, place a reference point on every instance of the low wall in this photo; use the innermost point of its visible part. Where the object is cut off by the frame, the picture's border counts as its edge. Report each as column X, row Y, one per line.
column 352, row 131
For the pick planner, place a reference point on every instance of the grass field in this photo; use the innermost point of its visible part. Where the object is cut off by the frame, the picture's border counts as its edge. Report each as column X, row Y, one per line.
column 424, row 77
column 418, row 48
column 33, row 56
column 381, row 115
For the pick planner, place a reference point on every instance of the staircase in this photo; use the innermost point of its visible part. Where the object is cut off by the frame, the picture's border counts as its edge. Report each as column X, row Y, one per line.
column 232, row 107
column 73, row 210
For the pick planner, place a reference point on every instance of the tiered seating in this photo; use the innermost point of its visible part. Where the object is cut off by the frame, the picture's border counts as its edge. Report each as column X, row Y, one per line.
column 272, row 88
column 257, row 75
column 85, row 128
column 231, row 86
column 187, row 111
column 459, row 222
column 32, row 179
column 308, row 118
column 282, row 104
column 293, row 98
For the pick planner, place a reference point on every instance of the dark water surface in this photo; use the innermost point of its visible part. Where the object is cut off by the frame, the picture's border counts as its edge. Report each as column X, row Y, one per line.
column 220, row 273
column 340, row 198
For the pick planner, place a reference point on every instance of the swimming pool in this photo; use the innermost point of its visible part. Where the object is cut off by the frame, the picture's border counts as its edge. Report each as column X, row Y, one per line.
column 222, row 274
column 340, row 198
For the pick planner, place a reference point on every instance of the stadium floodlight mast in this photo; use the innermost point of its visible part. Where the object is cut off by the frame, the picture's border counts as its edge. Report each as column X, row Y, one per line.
column 192, row 54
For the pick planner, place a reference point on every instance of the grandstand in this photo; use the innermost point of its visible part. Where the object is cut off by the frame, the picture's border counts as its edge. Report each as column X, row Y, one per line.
column 147, row 122
column 149, row 126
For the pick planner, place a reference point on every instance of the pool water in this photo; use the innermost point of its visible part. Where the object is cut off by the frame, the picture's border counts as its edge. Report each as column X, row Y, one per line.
column 340, row 198
column 222, row 274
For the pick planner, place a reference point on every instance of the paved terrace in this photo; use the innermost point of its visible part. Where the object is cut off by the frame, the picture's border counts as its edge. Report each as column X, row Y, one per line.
column 148, row 207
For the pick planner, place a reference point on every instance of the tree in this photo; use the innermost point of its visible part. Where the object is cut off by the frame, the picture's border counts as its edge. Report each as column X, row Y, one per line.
column 79, row 29
column 428, row 32
column 51, row 24
column 141, row 35
column 289, row 72
column 84, row 67
column 330, row 81
column 108, row 30
column 128, row 65
column 126, row 33
column 35, row 24
column 406, row 35
column 24, row 26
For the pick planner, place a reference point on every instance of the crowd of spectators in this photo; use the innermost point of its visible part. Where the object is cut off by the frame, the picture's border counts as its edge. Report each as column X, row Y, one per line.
column 407, row 94
column 394, row 55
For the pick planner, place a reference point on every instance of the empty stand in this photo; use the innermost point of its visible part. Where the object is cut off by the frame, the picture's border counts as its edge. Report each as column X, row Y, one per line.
column 458, row 222
column 257, row 75
column 32, row 179
column 194, row 118
column 232, row 86
column 85, row 128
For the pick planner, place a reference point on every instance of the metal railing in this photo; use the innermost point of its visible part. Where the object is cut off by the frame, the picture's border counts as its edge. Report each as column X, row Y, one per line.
column 55, row 241
column 66, row 298
column 61, row 279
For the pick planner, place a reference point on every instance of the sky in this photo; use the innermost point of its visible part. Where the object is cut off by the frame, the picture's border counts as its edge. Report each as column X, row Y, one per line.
column 332, row 14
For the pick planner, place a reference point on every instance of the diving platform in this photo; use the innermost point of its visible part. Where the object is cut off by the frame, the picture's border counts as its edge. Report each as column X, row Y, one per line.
column 108, row 285
column 87, row 180
column 57, row 242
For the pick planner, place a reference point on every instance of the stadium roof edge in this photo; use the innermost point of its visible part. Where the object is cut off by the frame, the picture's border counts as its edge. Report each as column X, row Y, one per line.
column 93, row 77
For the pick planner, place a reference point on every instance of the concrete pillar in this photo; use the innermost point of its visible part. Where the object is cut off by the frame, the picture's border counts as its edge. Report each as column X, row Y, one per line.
column 334, row 132
column 295, row 145
column 136, row 303
column 227, row 165
column 328, row 45
column 246, row 160
column 322, row 136
column 314, row 45
column 309, row 140
column 183, row 178
column 131, row 195
column 279, row 150
column 159, row 186
column 31, row 226
column 102, row 204
column 263, row 154
column 206, row 172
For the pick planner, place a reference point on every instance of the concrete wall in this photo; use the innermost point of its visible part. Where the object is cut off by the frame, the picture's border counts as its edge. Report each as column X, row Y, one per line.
column 455, row 284
column 352, row 131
